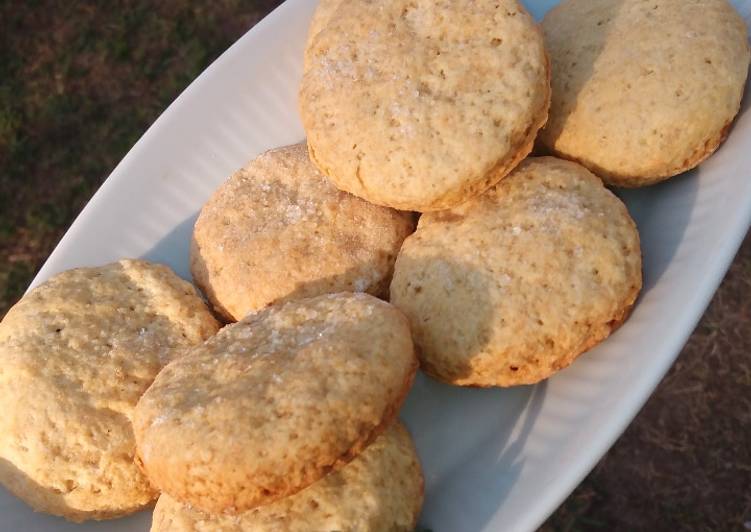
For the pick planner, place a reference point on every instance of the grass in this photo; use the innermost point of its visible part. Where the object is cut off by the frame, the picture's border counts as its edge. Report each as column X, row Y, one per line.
column 80, row 82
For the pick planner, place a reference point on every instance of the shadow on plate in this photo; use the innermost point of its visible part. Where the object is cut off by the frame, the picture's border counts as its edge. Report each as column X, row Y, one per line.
column 662, row 213
column 174, row 248
column 470, row 443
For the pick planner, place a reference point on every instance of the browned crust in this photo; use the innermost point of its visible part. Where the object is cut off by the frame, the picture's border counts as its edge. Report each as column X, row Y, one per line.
column 421, row 498
column 271, row 493
column 200, row 275
column 563, row 361
column 699, row 155
column 389, row 416
column 51, row 502
column 403, row 443
column 501, row 169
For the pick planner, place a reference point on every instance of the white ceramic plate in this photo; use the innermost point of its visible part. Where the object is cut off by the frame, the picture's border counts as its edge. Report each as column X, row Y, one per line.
column 493, row 459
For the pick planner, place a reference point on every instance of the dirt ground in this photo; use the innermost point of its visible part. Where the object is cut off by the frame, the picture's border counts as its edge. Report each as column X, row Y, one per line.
column 80, row 82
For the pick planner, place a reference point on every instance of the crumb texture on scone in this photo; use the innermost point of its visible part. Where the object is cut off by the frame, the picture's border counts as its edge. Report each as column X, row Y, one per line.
column 76, row 353
column 420, row 105
column 380, row 490
column 324, row 11
column 643, row 90
column 274, row 402
column 514, row 284
column 279, row 230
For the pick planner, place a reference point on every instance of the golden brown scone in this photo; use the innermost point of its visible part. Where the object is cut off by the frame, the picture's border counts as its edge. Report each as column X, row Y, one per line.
column 76, row 353
column 324, row 10
column 643, row 91
column 380, row 490
column 273, row 403
column 512, row 286
column 420, row 105
column 279, row 230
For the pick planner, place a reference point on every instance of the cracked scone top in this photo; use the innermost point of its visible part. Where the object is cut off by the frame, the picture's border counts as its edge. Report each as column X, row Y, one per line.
column 274, row 402
column 381, row 489
column 513, row 285
column 420, row 105
column 279, row 230
column 76, row 353
column 643, row 90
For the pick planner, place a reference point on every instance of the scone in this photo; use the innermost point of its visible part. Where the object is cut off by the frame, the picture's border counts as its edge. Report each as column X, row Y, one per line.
column 76, row 353
column 321, row 16
column 380, row 490
column 643, row 91
column 279, row 230
column 420, row 105
column 512, row 286
column 274, row 402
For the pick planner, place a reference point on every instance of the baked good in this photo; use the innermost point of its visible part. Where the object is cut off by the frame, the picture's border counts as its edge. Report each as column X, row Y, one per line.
column 512, row 286
column 76, row 353
column 274, row 402
column 643, row 91
column 420, row 105
column 321, row 16
column 381, row 489
column 279, row 230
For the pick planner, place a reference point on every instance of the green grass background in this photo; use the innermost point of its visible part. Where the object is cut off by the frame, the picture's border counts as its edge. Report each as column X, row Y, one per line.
column 81, row 81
